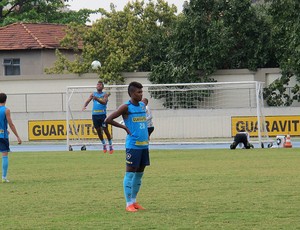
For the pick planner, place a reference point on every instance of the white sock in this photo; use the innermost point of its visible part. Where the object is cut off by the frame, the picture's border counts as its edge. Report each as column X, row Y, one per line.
column 129, row 203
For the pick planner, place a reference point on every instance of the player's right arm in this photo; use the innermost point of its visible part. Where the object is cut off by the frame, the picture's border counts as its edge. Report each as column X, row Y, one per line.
column 87, row 102
column 121, row 111
column 12, row 126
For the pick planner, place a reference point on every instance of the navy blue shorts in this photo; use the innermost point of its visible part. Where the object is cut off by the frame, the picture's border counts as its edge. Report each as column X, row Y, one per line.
column 137, row 157
column 4, row 145
column 98, row 121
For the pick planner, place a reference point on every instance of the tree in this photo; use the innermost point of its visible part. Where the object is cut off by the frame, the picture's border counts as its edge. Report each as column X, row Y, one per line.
column 211, row 35
column 123, row 41
column 186, row 49
column 248, row 36
column 286, row 38
column 53, row 11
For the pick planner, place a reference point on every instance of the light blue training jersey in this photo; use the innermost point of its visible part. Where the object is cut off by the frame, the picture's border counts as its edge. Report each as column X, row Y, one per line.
column 137, row 124
column 98, row 108
column 3, row 123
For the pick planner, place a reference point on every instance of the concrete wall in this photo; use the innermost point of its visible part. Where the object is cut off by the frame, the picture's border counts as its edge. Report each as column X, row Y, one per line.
column 174, row 124
column 42, row 97
column 32, row 62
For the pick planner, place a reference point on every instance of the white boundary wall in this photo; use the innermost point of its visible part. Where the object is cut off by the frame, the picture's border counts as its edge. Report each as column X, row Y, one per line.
column 29, row 100
column 192, row 126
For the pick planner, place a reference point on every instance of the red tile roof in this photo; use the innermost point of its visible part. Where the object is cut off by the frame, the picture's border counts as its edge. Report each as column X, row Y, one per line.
column 22, row 36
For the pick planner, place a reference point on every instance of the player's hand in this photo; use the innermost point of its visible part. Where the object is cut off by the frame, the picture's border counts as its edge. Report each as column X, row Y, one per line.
column 84, row 108
column 19, row 140
column 127, row 131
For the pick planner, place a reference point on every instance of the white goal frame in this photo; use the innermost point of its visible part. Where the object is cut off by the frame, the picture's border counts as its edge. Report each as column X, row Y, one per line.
column 230, row 98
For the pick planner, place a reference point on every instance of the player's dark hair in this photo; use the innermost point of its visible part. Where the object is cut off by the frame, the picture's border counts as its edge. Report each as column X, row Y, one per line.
column 133, row 86
column 3, row 97
column 101, row 82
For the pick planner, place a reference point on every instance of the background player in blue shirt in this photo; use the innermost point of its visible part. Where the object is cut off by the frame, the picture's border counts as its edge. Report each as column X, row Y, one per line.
column 100, row 100
column 137, row 143
column 5, row 119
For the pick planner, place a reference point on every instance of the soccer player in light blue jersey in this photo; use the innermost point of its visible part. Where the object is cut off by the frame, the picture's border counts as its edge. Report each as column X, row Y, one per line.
column 100, row 100
column 5, row 119
column 137, row 143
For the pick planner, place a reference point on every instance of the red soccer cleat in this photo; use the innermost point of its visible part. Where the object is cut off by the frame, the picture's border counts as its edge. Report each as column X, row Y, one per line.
column 111, row 150
column 137, row 206
column 131, row 208
column 104, row 149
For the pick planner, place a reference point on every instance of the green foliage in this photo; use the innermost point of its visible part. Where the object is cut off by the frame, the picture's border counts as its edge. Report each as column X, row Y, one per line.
column 248, row 35
column 219, row 34
column 40, row 11
column 213, row 35
column 286, row 39
column 276, row 93
column 172, row 96
column 167, row 72
column 62, row 65
column 123, row 41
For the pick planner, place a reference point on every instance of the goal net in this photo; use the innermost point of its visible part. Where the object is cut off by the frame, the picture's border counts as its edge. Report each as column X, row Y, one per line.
column 194, row 112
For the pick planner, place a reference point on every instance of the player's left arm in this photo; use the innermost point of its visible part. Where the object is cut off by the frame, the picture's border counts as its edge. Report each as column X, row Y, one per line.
column 12, row 126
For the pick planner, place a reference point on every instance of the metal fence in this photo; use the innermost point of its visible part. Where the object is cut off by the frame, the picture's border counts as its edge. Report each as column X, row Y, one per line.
column 55, row 102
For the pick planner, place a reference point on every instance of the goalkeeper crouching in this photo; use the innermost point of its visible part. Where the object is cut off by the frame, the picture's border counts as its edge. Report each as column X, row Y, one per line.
column 241, row 138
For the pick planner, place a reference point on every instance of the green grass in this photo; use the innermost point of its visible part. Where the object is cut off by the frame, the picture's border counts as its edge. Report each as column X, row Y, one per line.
column 182, row 189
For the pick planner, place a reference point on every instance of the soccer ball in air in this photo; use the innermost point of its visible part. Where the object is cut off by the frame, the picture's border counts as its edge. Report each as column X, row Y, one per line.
column 96, row 64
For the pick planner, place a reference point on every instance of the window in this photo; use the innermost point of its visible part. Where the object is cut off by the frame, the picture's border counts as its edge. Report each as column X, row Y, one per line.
column 12, row 66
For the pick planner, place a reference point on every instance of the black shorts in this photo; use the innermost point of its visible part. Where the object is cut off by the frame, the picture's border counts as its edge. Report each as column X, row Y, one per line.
column 241, row 138
column 98, row 121
column 137, row 157
column 4, row 145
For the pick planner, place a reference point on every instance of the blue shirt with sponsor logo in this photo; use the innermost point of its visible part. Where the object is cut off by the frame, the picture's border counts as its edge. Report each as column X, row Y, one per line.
column 3, row 123
column 98, row 108
column 136, row 122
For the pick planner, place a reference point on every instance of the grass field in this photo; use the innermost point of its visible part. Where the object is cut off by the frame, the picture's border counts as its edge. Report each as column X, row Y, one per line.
column 182, row 189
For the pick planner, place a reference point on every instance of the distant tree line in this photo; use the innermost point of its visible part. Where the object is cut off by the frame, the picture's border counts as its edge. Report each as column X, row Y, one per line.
column 43, row 11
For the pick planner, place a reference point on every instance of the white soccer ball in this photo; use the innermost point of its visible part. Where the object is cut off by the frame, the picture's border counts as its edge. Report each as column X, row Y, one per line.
column 96, row 64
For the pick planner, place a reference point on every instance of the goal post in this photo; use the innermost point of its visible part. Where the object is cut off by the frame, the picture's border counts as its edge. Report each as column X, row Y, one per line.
column 185, row 112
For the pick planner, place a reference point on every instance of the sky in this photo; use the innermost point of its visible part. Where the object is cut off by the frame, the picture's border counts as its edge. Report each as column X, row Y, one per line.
column 96, row 4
